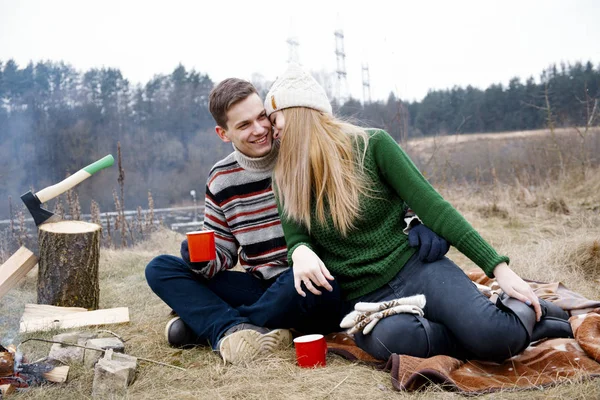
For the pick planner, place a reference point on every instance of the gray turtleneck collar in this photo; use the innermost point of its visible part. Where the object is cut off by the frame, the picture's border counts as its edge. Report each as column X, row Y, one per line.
column 258, row 164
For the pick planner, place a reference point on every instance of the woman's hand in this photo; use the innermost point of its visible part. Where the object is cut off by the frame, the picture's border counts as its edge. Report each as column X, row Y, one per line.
column 309, row 268
column 516, row 287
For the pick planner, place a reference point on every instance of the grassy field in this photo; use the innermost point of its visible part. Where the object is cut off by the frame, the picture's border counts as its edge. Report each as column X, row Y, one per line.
column 531, row 157
column 549, row 226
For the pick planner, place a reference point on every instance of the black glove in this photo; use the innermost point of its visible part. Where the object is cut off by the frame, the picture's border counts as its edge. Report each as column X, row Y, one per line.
column 433, row 247
column 185, row 255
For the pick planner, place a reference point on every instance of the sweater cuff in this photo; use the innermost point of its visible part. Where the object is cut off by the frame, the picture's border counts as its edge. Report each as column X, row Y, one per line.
column 481, row 253
column 291, row 251
column 199, row 267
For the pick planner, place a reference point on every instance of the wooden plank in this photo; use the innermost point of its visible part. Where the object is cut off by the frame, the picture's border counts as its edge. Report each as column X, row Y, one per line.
column 15, row 268
column 58, row 374
column 75, row 320
column 35, row 311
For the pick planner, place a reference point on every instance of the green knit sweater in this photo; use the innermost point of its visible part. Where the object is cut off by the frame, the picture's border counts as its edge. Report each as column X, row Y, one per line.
column 373, row 253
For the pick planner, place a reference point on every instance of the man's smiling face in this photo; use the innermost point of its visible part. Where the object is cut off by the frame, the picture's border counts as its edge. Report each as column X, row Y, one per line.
column 248, row 127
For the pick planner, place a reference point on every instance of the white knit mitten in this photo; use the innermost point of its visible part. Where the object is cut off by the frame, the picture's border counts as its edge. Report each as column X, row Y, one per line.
column 366, row 315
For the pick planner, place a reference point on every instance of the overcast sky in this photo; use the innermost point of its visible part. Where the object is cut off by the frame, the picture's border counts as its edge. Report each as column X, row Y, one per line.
column 410, row 46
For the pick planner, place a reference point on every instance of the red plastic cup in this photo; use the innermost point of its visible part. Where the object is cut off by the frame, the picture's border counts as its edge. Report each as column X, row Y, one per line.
column 311, row 351
column 201, row 245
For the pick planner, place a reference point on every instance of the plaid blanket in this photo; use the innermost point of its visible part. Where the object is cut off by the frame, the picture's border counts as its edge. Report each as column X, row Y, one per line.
column 544, row 363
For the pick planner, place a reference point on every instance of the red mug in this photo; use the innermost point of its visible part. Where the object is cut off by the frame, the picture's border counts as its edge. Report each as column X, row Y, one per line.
column 201, row 245
column 311, row 351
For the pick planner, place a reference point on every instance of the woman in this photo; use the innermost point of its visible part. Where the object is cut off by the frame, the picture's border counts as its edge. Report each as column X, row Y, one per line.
column 340, row 190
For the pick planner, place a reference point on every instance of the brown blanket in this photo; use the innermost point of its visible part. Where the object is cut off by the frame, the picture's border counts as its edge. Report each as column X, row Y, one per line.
column 542, row 364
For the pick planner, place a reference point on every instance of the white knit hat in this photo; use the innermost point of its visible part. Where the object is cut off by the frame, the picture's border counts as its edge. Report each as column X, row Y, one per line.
column 296, row 88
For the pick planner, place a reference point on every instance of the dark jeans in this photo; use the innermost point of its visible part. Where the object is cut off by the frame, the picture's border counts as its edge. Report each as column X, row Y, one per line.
column 210, row 307
column 459, row 321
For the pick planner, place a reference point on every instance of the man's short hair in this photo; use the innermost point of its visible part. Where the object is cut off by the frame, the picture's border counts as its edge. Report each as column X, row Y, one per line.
column 225, row 95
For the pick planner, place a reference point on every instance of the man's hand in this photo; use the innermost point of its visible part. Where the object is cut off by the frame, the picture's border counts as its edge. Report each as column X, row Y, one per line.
column 185, row 255
column 310, row 270
column 185, row 251
column 433, row 247
column 516, row 287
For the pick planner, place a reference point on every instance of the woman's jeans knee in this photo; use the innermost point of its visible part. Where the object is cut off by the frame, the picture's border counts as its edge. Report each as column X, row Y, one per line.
column 399, row 334
column 458, row 320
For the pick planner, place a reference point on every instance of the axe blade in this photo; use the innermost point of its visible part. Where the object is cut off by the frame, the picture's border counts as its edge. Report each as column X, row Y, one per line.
column 40, row 215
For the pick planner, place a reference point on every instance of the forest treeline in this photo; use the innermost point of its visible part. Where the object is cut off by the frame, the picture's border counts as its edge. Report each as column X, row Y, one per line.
column 55, row 120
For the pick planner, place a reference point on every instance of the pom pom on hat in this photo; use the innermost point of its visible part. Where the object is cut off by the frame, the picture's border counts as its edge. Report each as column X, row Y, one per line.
column 296, row 88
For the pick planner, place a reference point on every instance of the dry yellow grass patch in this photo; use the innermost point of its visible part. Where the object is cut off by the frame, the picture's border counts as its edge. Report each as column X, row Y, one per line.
column 543, row 242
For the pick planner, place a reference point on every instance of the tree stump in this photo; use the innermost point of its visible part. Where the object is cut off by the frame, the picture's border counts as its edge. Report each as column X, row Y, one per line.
column 68, row 264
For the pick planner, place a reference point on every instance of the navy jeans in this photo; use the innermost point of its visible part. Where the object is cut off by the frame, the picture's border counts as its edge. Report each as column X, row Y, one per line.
column 211, row 306
column 458, row 321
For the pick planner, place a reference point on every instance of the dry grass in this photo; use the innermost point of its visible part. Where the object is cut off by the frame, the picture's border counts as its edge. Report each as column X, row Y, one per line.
column 531, row 157
column 544, row 242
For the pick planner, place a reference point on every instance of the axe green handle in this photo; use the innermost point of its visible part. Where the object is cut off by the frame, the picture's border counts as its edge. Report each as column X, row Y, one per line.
column 102, row 163
column 52, row 191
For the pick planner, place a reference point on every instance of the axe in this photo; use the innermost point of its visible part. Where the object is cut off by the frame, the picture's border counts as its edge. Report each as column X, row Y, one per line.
column 33, row 202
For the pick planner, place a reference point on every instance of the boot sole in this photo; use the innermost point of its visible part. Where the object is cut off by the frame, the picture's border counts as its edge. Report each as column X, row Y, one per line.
column 240, row 347
column 247, row 345
column 276, row 339
column 168, row 327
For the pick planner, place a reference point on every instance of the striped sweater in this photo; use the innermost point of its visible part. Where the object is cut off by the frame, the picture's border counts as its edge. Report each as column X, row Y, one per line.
column 240, row 207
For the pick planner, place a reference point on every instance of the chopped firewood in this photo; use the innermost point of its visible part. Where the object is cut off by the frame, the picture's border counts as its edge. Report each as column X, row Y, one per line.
column 15, row 268
column 26, row 375
column 74, row 320
column 6, row 390
column 95, row 349
column 58, row 374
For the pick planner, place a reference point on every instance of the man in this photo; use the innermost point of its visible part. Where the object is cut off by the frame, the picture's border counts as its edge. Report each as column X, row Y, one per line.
column 233, row 311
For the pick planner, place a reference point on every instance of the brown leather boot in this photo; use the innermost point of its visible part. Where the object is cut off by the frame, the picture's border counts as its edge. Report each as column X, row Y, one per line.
column 553, row 324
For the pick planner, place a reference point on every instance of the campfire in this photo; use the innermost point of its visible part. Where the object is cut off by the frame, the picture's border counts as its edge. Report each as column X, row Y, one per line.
column 17, row 374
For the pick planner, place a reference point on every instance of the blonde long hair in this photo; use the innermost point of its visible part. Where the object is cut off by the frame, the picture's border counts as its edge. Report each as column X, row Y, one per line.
column 319, row 158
